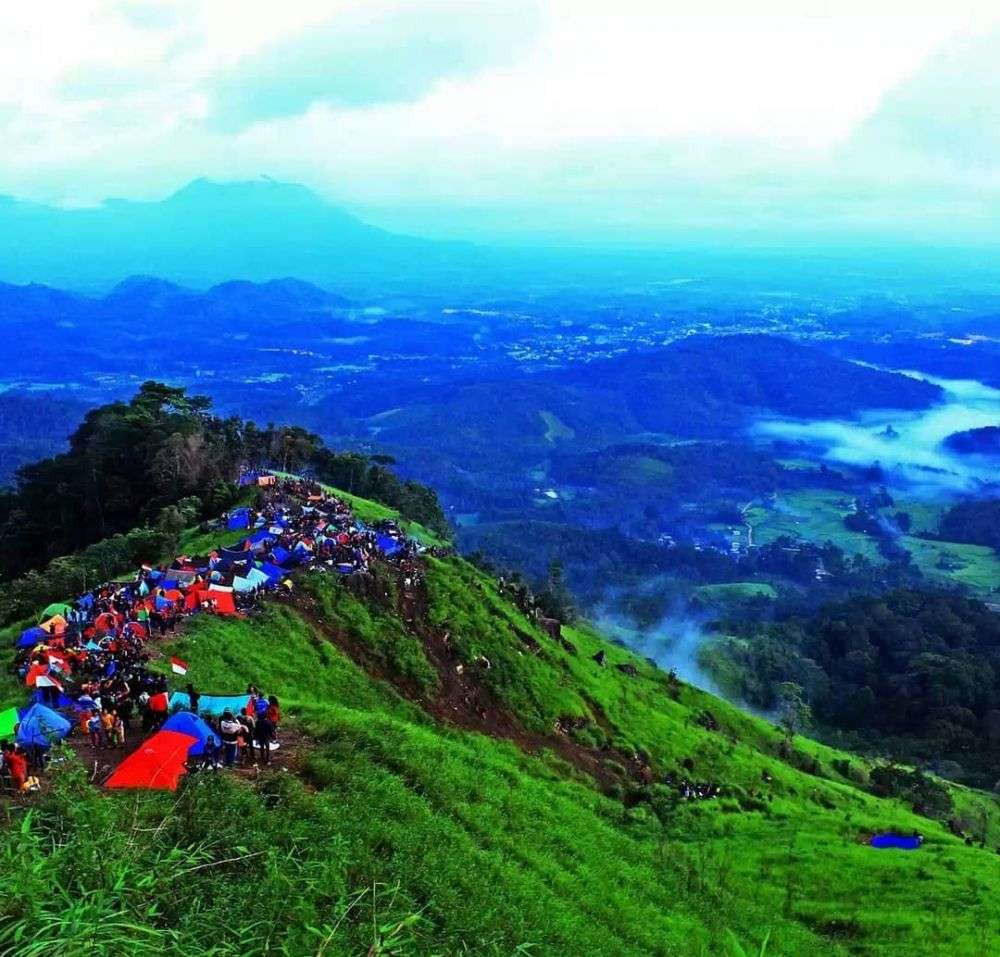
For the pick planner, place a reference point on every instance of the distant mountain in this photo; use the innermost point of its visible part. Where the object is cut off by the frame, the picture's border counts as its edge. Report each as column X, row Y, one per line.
column 203, row 234
column 984, row 441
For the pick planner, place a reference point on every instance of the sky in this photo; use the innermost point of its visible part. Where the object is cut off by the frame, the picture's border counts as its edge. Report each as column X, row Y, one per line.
column 585, row 119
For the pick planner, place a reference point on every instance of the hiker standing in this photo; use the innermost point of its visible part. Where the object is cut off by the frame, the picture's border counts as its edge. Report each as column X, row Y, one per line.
column 265, row 735
column 229, row 732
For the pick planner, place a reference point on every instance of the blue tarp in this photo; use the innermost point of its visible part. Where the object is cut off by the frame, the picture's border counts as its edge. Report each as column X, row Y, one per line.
column 234, row 556
column 387, row 544
column 42, row 726
column 262, row 536
column 896, row 841
column 64, row 701
column 212, row 704
column 184, row 722
column 31, row 636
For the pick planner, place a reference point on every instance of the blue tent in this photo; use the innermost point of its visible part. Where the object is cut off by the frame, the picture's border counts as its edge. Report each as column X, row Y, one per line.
column 272, row 571
column 42, row 726
column 262, row 536
column 280, row 555
column 31, row 636
column 234, row 556
column 238, row 518
column 184, row 722
column 210, row 703
column 65, row 701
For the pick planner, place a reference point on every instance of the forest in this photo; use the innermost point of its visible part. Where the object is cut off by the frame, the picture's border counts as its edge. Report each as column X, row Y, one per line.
column 912, row 674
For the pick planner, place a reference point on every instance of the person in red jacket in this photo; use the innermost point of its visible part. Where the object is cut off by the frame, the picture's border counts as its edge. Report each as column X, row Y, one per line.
column 16, row 764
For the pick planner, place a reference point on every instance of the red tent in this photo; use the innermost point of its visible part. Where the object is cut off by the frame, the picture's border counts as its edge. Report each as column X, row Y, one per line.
column 157, row 763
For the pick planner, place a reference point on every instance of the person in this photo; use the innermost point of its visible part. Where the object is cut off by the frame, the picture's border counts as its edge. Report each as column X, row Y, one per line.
column 95, row 730
column 274, row 712
column 117, row 730
column 229, row 732
column 246, row 738
column 107, row 726
column 193, row 698
column 210, row 756
column 264, row 734
column 16, row 766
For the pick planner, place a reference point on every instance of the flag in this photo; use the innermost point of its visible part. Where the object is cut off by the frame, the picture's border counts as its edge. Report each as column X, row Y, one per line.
column 178, row 667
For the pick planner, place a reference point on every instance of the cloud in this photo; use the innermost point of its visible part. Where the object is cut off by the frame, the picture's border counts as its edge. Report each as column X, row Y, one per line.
column 566, row 118
column 372, row 54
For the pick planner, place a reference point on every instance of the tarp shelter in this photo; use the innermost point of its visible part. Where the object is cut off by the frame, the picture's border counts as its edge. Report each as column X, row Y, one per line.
column 262, row 536
column 241, row 584
column 56, row 608
column 31, row 637
column 157, row 764
column 185, row 722
column 210, row 703
column 899, row 842
column 8, row 719
column 42, row 726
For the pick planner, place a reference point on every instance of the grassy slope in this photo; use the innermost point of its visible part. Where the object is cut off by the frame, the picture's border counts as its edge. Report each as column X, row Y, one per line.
column 503, row 847
column 497, row 850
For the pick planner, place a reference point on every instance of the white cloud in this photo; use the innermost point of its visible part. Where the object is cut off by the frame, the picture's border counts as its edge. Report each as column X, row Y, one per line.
column 620, row 106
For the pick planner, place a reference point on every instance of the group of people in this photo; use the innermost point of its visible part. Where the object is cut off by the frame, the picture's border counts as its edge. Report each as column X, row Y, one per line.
column 246, row 737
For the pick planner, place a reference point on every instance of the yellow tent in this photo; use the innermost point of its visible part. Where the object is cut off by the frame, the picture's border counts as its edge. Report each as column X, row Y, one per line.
column 56, row 625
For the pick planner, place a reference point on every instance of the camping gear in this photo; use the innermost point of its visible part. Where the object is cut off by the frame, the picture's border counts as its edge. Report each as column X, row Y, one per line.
column 31, row 637
column 899, row 842
column 186, row 722
column 8, row 719
column 157, row 764
column 42, row 726
column 56, row 608
column 210, row 703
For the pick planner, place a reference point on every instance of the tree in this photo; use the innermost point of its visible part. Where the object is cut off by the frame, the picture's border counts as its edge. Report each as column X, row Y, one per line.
column 796, row 715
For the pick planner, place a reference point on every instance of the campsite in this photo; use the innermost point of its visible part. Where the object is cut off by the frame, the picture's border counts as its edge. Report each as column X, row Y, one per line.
column 88, row 663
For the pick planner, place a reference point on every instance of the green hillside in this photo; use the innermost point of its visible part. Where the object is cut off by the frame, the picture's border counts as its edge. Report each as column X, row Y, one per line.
column 465, row 783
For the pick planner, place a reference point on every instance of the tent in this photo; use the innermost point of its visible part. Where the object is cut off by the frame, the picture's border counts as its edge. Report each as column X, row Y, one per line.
column 387, row 544
column 281, row 555
column 261, row 536
column 31, row 637
column 8, row 719
column 185, row 722
column 897, row 842
column 241, row 584
column 210, row 703
column 55, row 625
column 273, row 572
column 238, row 518
column 156, row 764
column 42, row 726
column 56, row 608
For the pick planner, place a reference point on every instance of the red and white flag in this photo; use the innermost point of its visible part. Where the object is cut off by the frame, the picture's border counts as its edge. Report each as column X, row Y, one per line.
column 178, row 667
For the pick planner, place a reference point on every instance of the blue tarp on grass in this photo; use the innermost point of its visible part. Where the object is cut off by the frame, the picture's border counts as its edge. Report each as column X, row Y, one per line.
column 31, row 636
column 897, row 842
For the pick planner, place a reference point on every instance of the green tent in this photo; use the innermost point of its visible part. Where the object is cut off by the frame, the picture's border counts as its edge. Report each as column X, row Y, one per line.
column 56, row 608
column 8, row 719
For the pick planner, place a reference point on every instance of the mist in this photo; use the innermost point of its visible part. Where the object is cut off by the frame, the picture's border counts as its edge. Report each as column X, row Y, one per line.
column 908, row 445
